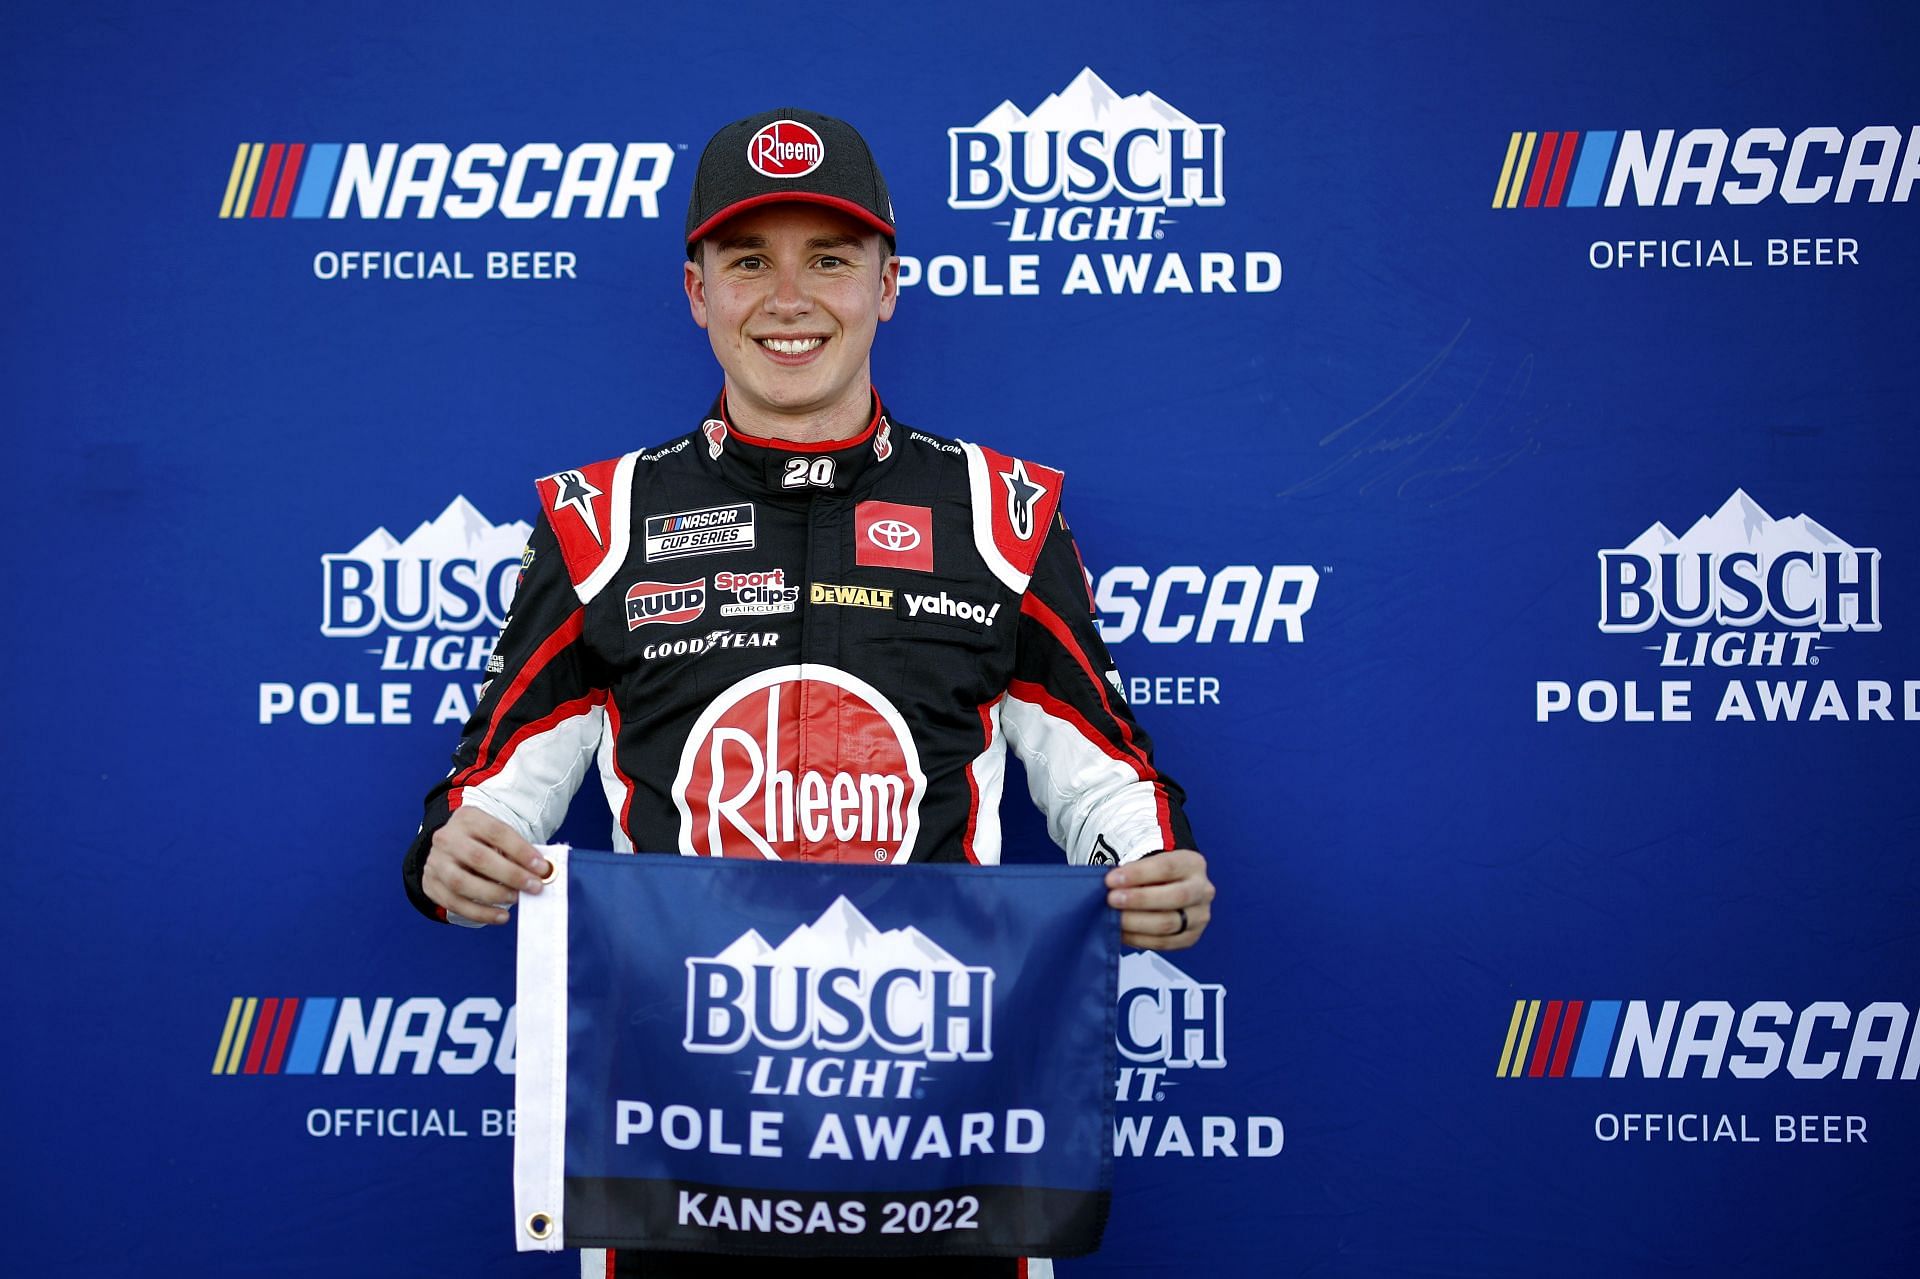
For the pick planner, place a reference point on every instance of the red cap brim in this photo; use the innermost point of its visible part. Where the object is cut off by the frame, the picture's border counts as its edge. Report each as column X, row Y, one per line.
column 738, row 207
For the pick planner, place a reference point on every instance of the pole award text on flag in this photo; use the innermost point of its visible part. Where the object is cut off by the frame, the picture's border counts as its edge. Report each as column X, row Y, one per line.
column 827, row 1060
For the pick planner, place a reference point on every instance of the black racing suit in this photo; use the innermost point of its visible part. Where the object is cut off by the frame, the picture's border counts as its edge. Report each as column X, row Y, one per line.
column 807, row 651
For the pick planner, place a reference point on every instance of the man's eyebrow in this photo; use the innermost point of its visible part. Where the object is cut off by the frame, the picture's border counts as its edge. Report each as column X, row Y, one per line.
column 735, row 243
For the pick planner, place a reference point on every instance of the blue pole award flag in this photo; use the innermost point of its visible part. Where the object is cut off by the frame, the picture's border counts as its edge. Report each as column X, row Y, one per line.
column 832, row 1060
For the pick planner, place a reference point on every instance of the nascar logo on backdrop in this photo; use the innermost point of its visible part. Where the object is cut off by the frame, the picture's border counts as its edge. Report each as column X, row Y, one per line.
column 1823, row 1041
column 326, row 1035
column 424, row 181
column 1739, row 591
column 433, row 604
column 287, row 1035
column 1185, row 604
column 1089, row 164
column 1608, row 168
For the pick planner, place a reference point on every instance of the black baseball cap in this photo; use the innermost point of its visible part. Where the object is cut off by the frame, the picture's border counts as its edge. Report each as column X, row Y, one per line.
column 787, row 154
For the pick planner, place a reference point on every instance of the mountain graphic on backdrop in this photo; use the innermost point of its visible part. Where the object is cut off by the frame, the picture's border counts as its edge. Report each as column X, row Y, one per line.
column 1741, row 524
column 1145, row 968
column 459, row 532
column 1088, row 102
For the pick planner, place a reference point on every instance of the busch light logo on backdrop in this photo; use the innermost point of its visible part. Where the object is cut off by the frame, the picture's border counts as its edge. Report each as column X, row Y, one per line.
column 1089, row 164
column 1813, row 1044
column 1739, row 591
column 1609, row 168
column 1171, row 1031
column 1167, row 1017
column 430, row 605
column 454, row 573
column 1135, row 156
column 1186, row 604
column 1740, row 567
column 434, row 184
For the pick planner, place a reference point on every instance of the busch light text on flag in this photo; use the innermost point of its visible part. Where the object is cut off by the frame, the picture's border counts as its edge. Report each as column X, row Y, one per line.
column 724, row 1055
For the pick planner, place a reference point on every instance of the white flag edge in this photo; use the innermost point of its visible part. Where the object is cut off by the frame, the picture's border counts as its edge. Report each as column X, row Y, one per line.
column 540, row 1072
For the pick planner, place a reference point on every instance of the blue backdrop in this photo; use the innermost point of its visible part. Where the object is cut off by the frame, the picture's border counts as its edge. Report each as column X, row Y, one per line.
column 1511, row 289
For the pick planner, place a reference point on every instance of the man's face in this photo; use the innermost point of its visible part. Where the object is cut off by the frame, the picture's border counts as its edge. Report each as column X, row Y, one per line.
column 790, row 296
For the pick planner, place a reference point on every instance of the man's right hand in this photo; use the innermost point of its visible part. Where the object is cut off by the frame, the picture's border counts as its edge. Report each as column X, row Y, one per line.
column 478, row 867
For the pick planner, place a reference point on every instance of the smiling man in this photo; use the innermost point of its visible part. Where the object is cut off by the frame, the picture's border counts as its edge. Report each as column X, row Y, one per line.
column 803, row 630
column 794, row 339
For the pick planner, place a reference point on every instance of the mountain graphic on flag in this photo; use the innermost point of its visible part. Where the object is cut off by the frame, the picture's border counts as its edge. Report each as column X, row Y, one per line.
column 841, row 937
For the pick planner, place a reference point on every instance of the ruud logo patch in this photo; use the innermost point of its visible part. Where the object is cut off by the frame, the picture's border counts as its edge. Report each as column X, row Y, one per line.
column 649, row 602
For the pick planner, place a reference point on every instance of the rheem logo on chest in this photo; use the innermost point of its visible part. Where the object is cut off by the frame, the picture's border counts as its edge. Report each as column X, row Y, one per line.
column 751, row 783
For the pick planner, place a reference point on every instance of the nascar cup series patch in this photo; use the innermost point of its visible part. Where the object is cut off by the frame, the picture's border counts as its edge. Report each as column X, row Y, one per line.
column 814, row 1060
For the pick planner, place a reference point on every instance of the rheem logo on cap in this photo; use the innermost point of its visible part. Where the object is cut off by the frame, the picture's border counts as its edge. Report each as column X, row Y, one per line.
column 785, row 149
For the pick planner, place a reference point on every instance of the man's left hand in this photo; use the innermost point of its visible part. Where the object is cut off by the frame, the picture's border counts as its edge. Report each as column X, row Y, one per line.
column 1164, row 900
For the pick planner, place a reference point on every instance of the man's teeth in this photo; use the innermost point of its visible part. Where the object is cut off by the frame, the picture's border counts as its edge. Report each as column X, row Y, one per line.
column 791, row 346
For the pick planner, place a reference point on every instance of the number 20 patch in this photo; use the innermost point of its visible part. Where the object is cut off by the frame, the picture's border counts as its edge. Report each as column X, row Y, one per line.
column 807, row 472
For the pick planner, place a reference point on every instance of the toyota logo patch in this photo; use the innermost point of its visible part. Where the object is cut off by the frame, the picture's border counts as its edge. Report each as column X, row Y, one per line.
column 893, row 535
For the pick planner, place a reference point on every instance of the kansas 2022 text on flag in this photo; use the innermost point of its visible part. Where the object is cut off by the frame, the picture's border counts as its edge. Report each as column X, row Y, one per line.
column 795, row 1059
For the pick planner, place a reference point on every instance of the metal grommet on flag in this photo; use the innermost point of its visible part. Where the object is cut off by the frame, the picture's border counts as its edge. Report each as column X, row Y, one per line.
column 539, row 1226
